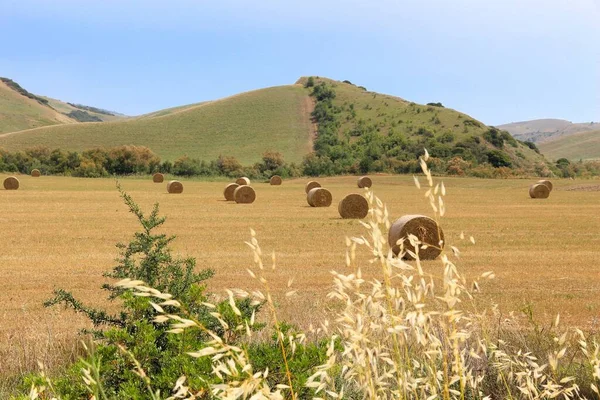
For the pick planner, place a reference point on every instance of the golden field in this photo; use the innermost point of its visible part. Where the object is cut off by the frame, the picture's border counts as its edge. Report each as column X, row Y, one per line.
column 60, row 232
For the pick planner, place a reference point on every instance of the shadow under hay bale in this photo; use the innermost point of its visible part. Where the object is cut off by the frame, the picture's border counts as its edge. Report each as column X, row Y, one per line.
column 424, row 228
column 311, row 185
column 353, row 206
column 275, row 180
column 539, row 191
column 11, row 183
column 547, row 183
column 243, row 181
column 319, row 197
column 229, row 191
column 36, row 173
column 158, row 178
column 365, row 182
column 244, row 194
column 175, row 187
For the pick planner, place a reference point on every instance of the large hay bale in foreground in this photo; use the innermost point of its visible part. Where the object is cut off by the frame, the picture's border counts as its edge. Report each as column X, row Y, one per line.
column 158, row 178
column 229, row 190
column 244, row 194
column 311, row 185
column 11, row 183
column 319, row 197
column 539, row 191
column 365, row 182
column 36, row 173
column 175, row 187
column 243, row 181
column 424, row 228
column 353, row 206
column 547, row 183
column 275, row 180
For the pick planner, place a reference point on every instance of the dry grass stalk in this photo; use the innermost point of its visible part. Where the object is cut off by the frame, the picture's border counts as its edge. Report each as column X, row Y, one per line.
column 243, row 181
column 229, row 190
column 319, row 197
column 244, row 194
column 425, row 229
column 539, row 191
column 365, row 182
column 36, row 173
column 547, row 183
column 158, row 178
column 353, row 206
column 275, row 180
column 311, row 185
column 11, row 183
column 175, row 187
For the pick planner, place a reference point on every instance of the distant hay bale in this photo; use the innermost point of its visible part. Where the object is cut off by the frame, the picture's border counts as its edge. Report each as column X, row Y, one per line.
column 11, row 183
column 365, row 182
column 158, row 178
column 175, row 187
column 547, row 183
column 244, row 194
column 311, row 185
column 36, row 173
column 424, row 228
column 229, row 190
column 319, row 197
column 353, row 206
column 243, row 181
column 539, row 191
column 275, row 180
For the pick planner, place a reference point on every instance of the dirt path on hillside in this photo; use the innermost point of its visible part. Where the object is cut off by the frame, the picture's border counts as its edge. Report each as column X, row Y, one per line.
column 308, row 106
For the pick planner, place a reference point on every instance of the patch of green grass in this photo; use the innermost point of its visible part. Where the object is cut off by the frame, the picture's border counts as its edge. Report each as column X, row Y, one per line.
column 580, row 146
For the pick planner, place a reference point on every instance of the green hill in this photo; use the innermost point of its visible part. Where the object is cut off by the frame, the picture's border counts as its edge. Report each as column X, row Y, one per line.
column 83, row 113
column 579, row 146
column 542, row 130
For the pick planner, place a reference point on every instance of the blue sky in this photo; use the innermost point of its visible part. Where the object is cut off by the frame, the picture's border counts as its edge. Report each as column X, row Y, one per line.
column 499, row 61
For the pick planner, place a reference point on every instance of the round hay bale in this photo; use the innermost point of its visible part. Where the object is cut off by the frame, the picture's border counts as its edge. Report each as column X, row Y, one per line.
column 11, row 183
column 539, row 191
column 547, row 183
column 275, row 180
column 158, row 178
column 311, row 185
column 229, row 190
column 319, row 197
column 353, row 206
column 243, row 181
column 244, row 194
column 365, row 182
column 424, row 228
column 175, row 187
column 36, row 173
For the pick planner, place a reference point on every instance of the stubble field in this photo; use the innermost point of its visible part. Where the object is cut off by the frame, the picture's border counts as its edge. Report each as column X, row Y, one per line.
column 60, row 232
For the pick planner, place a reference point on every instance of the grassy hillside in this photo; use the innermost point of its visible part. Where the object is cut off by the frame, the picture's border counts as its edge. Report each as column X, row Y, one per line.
column 542, row 130
column 67, row 108
column 580, row 146
column 243, row 126
column 18, row 112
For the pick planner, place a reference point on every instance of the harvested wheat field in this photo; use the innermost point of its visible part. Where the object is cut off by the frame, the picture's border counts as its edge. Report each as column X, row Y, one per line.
column 543, row 253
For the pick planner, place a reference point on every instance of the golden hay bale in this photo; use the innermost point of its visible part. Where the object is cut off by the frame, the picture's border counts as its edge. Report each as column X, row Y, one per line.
column 36, row 173
column 244, row 194
column 275, row 180
column 353, row 206
column 175, row 187
column 311, row 185
column 11, row 183
column 243, row 181
column 319, row 197
column 424, row 228
column 158, row 178
column 547, row 183
column 365, row 182
column 229, row 190
column 539, row 191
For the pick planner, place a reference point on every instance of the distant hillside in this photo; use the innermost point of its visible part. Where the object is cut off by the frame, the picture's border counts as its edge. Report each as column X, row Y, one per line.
column 542, row 130
column 81, row 113
column 574, row 147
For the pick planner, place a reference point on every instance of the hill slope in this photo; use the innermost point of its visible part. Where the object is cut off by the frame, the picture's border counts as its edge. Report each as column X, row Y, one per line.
column 93, row 114
column 541, row 130
column 243, row 126
column 579, row 146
